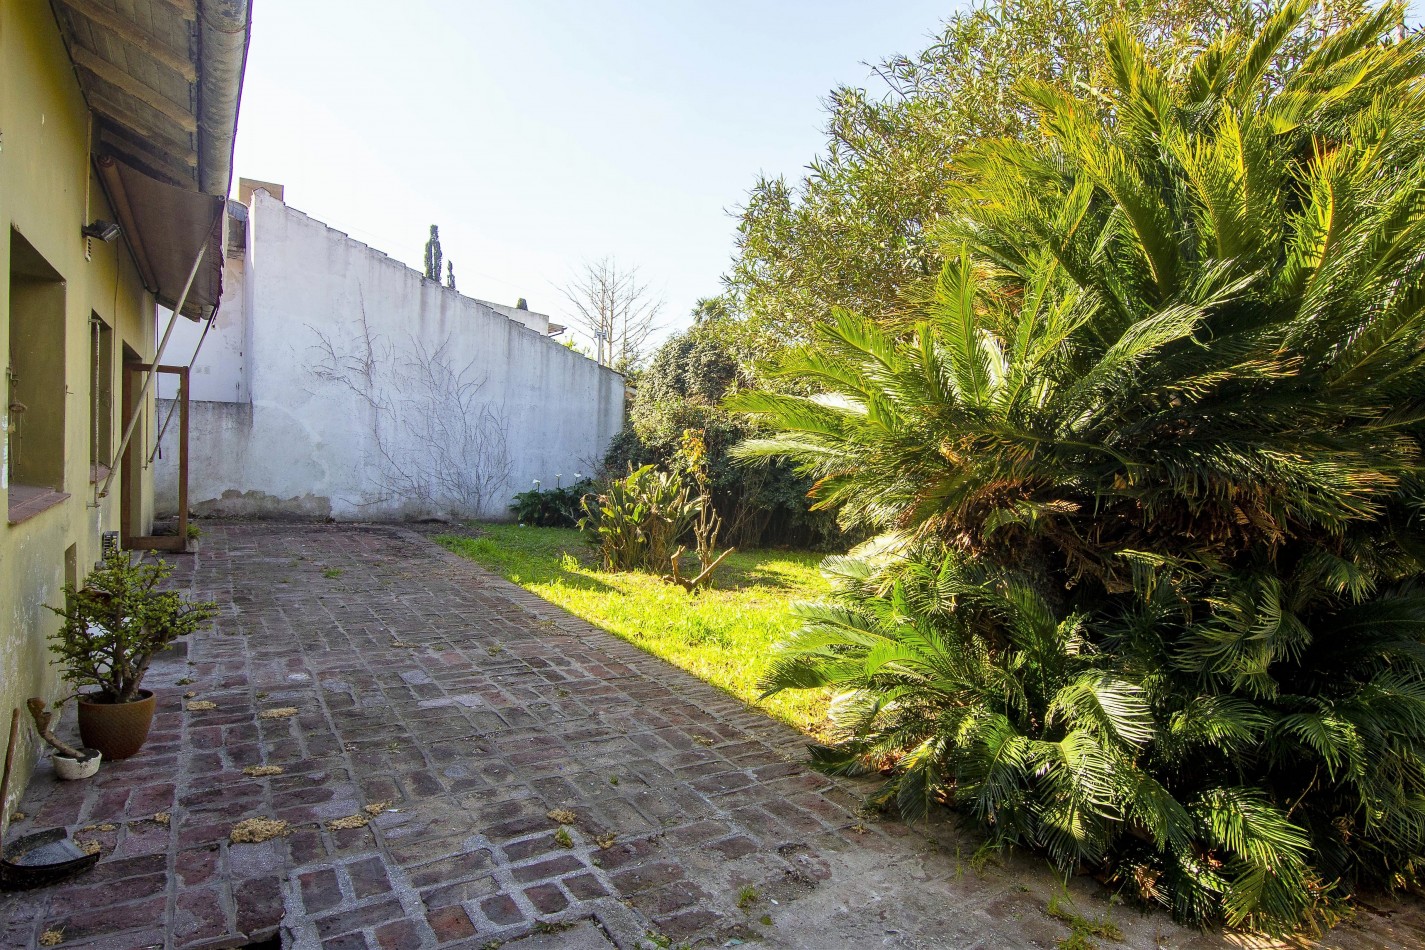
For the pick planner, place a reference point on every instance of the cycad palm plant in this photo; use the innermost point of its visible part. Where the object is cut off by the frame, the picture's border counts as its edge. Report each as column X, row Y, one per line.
column 1164, row 410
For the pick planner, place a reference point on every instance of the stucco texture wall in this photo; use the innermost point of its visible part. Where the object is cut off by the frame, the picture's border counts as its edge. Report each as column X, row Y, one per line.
column 221, row 374
column 374, row 394
column 45, row 181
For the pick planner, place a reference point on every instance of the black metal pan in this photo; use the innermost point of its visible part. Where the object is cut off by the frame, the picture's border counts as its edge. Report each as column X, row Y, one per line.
column 45, row 857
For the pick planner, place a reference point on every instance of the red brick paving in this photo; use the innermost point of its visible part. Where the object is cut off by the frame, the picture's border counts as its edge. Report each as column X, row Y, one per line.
column 473, row 708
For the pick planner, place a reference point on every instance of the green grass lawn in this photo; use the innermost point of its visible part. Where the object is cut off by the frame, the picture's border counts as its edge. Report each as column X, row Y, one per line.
column 723, row 635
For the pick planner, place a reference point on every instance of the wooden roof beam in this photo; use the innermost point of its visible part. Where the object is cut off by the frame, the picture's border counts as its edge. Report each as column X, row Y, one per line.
column 117, row 77
column 187, row 9
column 151, row 160
column 167, row 174
column 126, row 30
column 114, row 129
column 111, row 113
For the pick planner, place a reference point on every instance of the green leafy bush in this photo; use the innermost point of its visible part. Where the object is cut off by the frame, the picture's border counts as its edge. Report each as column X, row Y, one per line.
column 557, row 507
column 681, row 390
column 635, row 523
column 116, row 623
column 1148, row 468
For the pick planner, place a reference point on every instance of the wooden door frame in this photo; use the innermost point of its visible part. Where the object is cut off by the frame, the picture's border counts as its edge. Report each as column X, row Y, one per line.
column 134, row 458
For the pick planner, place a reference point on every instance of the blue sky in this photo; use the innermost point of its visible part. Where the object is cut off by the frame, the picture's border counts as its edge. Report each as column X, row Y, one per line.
column 541, row 133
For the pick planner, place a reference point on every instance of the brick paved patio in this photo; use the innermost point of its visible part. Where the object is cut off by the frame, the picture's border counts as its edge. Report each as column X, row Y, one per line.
column 462, row 711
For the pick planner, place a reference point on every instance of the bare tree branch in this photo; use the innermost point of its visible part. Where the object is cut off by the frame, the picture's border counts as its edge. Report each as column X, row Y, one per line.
column 615, row 309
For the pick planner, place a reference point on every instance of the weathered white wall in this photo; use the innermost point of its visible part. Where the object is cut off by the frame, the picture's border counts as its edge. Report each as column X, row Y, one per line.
column 374, row 394
column 220, row 373
column 538, row 322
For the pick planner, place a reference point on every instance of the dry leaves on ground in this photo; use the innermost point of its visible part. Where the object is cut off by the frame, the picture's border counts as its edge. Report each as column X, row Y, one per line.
column 198, row 705
column 258, row 771
column 258, row 830
column 563, row 815
column 283, row 712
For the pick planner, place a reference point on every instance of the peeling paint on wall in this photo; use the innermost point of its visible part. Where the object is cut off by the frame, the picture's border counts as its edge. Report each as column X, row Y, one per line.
column 259, row 504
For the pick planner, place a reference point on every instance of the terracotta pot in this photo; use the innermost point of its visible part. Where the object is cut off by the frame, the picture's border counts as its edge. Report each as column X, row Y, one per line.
column 72, row 769
column 116, row 729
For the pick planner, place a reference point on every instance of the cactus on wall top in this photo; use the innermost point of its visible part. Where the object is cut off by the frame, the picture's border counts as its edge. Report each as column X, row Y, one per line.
column 520, row 304
column 450, row 274
column 433, row 255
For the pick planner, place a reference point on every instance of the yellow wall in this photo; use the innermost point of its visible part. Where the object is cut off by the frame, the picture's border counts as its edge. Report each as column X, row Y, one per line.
column 45, row 172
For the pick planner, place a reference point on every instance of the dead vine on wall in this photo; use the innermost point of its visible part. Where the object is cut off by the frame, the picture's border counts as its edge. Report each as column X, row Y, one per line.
column 441, row 445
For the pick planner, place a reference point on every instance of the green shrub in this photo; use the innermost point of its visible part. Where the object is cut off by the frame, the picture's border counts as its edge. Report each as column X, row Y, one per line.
column 636, row 522
column 1148, row 465
column 681, row 390
column 557, row 507
column 116, row 623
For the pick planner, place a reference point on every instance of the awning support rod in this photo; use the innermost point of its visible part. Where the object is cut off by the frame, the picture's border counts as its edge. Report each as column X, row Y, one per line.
column 153, row 370
column 191, row 363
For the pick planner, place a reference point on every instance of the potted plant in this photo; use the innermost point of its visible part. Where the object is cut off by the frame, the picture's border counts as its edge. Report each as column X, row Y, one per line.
column 113, row 627
column 69, row 763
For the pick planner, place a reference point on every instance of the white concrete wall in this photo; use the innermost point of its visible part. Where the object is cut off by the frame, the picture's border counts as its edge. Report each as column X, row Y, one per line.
column 220, row 372
column 538, row 322
column 374, row 394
